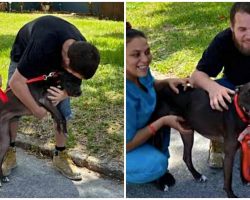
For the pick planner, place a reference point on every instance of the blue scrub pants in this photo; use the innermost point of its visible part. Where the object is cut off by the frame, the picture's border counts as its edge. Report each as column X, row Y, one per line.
column 146, row 163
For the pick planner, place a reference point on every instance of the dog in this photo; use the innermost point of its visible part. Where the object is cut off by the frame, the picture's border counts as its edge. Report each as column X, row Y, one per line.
column 15, row 108
column 194, row 106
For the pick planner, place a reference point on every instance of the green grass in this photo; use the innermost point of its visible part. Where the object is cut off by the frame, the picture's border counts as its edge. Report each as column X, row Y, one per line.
column 178, row 32
column 98, row 124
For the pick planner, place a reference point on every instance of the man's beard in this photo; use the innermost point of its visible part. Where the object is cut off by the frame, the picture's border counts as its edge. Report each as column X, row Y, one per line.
column 240, row 47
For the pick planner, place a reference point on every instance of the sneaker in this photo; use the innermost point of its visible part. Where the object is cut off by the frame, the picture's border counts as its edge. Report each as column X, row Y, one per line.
column 9, row 161
column 216, row 155
column 63, row 163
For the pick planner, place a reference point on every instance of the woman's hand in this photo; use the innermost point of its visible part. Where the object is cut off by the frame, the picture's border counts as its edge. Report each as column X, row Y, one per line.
column 57, row 95
column 174, row 82
column 177, row 123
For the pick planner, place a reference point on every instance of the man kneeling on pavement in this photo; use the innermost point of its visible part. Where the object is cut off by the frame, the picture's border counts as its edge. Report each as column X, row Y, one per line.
column 230, row 51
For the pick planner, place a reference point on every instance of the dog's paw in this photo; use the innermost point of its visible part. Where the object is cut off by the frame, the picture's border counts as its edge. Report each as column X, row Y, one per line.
column 202, row 179
column 166, row 188
column 248, row 184
column 165, row 182
column 5, row 179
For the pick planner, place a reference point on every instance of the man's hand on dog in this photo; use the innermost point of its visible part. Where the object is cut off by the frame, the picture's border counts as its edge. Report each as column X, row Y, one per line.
column 57, row 95
column 177, row 123
column 218, row 94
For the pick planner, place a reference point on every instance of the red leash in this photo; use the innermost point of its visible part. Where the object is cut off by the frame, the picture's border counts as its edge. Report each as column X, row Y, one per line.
column 4, row 97
column 41, row 78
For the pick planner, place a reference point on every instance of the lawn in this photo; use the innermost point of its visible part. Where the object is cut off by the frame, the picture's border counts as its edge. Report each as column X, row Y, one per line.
column 98, row 124
column 178, row 32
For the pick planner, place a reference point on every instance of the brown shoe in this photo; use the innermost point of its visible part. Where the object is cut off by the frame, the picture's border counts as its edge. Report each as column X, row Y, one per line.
column 216, row 154
column 63, row 163
column 9, row 161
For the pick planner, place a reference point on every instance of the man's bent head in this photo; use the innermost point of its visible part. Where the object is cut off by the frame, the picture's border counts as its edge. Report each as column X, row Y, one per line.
column 84, row 59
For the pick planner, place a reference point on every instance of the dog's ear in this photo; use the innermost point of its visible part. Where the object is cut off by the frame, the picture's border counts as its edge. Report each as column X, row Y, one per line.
column 238, row 88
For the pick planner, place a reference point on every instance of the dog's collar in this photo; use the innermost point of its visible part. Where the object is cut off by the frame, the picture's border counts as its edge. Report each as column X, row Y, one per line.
column 240, row 111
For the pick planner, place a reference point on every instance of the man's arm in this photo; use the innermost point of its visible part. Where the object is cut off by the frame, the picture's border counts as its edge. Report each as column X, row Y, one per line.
column 217, row 93
column 20, row 89
column 145, row 133
column 200, row 79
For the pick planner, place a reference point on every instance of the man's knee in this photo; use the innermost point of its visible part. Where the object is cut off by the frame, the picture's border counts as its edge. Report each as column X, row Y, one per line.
column 65, row 109
column 226, row 83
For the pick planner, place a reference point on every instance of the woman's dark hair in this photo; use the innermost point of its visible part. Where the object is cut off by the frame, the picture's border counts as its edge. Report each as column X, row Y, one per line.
column 84, row 58
column 239, row 7
column 133, row 33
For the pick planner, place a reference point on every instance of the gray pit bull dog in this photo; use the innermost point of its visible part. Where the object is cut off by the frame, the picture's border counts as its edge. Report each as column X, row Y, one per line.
column 194, row 106
column 14, row 107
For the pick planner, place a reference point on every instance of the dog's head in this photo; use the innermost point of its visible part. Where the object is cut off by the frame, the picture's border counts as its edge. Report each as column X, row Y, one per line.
column 67, row 82
column 243, row 92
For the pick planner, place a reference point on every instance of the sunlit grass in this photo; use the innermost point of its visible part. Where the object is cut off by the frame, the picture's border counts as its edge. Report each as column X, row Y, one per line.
column 98, row 122
column 178, row 32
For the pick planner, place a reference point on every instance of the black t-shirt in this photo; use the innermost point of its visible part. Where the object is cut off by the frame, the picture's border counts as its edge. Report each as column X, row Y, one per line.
column 222, row 52
column 38, row 44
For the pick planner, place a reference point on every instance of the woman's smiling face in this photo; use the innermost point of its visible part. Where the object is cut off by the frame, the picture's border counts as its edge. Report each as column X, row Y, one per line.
column 138, row 58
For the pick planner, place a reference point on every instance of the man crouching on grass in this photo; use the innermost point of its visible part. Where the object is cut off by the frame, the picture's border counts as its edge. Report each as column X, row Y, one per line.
column 41, row 46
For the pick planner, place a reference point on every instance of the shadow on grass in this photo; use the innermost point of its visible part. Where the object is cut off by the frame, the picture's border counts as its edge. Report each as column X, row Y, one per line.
column 114, row 35
column 5, row 41
column 106, row 88
column 112, row 52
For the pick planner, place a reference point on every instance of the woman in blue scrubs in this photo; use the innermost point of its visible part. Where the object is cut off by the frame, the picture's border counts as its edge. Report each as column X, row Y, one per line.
column 145, row 163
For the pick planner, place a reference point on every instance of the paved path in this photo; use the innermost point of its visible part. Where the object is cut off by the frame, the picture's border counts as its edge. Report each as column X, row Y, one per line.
column 36, row 177
column 185, row 184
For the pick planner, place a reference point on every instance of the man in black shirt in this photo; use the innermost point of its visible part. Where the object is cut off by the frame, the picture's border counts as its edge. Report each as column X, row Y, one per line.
column 230, row 51
column 42, row 46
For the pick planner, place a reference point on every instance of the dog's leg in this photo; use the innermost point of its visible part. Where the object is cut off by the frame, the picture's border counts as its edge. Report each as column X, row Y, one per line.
column 58, row 117
column 4, row 145
column 230, row 148
column 188, row 140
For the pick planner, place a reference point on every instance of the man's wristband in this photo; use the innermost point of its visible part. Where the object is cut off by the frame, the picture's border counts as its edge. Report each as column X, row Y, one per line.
column 152, row 129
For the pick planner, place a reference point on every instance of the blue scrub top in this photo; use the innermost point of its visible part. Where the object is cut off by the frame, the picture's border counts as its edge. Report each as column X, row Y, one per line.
column 139, row 105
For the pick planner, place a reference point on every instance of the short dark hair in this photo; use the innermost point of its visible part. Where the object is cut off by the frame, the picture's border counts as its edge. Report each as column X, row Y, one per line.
column 84, row 58
column 133, row 33
column 239, row 7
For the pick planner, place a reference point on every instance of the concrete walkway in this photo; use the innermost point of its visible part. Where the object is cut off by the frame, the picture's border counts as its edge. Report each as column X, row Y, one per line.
column 36, row 178
column 108, row 167
column 185, row 186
